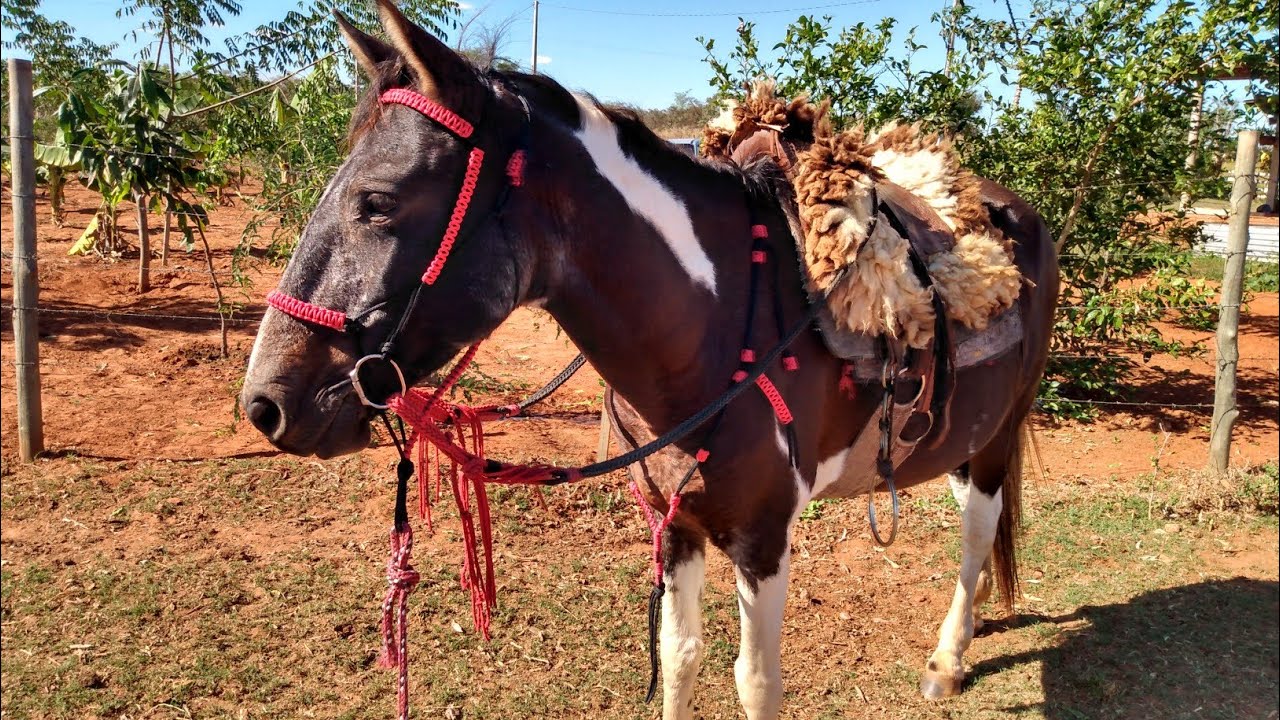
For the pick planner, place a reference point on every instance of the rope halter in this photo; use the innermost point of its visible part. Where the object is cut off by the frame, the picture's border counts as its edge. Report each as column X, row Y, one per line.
column 340, row 321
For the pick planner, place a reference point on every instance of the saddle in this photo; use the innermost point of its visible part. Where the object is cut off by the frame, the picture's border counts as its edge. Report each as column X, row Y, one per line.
column 922, row 373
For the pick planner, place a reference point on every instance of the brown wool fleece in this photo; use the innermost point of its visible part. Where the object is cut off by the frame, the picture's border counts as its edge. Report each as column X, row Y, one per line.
column 834, row 176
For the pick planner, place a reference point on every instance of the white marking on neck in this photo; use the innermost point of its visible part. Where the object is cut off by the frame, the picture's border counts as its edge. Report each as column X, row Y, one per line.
column 646, row 195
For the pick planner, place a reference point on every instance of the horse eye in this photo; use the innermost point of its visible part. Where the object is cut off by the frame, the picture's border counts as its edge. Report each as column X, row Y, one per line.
column 378, row 205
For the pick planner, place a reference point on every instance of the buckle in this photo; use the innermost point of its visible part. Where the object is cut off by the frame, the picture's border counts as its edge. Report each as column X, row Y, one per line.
column 355, row 380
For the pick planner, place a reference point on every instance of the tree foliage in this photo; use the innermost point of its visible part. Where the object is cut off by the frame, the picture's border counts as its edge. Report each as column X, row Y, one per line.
column 684, row 117
column 1094, row 135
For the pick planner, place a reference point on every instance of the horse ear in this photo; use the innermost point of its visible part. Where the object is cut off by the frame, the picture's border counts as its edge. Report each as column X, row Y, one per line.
column 421, row 51
column 368, row 50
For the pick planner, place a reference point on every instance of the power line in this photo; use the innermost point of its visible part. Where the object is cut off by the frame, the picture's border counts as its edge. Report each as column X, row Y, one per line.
column 740, row 13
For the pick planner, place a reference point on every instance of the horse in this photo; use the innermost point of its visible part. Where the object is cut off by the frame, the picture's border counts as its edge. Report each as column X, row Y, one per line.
column 640, row 252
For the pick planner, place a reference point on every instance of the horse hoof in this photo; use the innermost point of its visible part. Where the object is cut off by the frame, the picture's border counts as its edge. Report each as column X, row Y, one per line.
column 936, row 686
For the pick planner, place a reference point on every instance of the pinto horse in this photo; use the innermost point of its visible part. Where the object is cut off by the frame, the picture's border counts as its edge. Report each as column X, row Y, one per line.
column 640, row 252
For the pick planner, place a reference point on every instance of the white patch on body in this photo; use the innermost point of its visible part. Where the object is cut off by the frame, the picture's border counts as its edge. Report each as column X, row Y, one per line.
column 758, row 669
column 644, row 193
column 829, row 471
column 959, row 489
column 257, row 341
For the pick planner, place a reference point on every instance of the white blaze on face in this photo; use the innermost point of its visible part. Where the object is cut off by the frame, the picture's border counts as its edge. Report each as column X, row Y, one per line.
column 257, row 342
column 646, row 195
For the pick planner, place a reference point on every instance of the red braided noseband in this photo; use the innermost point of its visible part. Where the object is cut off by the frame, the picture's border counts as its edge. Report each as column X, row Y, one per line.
column 306, row 311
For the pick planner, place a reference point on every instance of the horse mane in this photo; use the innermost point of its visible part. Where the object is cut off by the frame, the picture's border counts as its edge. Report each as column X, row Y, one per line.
column 390, row 74
column 762, row 180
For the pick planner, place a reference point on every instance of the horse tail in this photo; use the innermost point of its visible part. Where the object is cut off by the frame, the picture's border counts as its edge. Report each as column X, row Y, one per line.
column 1003, row 552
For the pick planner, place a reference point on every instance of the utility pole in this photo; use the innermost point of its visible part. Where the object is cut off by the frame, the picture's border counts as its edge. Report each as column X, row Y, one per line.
column 534, row 60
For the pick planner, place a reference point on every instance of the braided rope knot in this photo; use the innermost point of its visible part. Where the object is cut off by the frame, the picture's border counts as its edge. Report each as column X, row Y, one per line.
column 401, row 579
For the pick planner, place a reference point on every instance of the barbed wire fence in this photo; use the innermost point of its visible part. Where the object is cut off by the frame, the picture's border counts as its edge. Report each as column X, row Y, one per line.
column 143, row 318
column 150, row 319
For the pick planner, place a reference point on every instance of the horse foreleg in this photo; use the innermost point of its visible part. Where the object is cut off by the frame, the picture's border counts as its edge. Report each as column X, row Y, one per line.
column 681, row 639
column 758, row 670
column 944, row 673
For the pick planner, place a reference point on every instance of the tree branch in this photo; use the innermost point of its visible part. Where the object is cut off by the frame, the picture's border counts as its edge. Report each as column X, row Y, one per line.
column 255, row 91
column 1086, row 178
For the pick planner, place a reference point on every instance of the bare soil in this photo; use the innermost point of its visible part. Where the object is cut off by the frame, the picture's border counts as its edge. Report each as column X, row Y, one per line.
column 104, row 372
column 165, row 561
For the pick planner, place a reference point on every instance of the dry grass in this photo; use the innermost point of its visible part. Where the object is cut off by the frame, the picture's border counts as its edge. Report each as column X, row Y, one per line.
column 250, row 589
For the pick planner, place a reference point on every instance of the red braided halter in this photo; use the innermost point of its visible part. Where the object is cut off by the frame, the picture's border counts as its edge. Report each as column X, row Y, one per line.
column 335, row 319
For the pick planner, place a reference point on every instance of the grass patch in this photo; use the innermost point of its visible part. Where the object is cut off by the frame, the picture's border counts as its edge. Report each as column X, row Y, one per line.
column 1259, row 276
column 216, row 588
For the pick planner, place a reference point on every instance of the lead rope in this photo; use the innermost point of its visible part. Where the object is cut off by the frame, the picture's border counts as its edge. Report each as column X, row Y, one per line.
column 401, row 579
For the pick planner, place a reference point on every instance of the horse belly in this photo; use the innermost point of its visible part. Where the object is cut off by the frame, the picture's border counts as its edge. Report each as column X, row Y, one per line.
column 982, row 401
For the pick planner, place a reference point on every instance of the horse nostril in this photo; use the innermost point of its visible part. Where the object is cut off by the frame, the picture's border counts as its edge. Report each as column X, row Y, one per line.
column 265, row 415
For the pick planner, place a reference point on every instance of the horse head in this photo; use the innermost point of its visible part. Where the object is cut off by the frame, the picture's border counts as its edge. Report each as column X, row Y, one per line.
column 436, row 144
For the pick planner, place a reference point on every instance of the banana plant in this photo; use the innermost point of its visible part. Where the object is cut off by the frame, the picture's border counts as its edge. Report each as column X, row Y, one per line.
column 121, row 146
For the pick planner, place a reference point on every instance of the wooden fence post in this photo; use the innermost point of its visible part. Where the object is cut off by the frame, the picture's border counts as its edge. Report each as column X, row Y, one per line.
column 26, row 281
column 1225, row 410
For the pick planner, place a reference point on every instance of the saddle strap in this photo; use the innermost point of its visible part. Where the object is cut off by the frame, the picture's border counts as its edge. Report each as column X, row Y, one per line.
column 859, row 473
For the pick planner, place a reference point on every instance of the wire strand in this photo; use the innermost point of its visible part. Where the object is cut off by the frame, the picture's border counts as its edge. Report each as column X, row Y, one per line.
column 739, row 13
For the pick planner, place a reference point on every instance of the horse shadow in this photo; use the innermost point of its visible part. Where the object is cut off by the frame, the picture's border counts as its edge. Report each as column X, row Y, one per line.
column 1208, row 650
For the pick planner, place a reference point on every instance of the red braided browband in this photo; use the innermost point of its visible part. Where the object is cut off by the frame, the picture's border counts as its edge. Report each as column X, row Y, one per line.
column 428, row 107
column 306, row 311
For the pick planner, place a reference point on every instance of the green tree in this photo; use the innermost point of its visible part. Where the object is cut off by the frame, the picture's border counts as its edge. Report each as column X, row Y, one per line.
column 1094, row 136
column 855, row 69
column 124, row 148
column 66, row 60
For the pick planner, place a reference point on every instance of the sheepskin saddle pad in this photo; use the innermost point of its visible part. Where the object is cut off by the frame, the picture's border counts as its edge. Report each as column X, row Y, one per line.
column 887, row 218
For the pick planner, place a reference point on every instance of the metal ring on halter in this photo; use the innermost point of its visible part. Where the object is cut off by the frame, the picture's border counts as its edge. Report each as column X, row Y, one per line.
column 355, row 379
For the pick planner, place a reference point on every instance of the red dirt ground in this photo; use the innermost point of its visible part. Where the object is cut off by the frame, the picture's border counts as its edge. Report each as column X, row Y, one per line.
column 134, row 388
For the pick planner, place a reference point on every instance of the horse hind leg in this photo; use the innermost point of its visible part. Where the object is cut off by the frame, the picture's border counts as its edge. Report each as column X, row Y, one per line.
column 680, row 642
column 981, row 496
column 960, row 486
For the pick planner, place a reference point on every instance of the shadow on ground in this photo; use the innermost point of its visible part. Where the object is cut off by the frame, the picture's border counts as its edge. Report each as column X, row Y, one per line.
column 1208, row 650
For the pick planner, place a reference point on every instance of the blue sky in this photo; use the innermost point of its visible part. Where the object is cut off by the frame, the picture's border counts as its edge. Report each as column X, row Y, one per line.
column 639, row 53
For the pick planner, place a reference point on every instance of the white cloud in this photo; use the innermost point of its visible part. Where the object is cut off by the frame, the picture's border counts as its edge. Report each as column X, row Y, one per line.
column 465, row 6
column 544, row 59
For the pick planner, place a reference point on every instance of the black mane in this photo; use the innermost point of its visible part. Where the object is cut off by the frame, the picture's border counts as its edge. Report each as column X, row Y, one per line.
column 762, row 179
